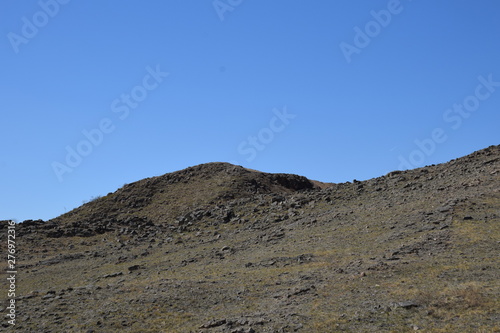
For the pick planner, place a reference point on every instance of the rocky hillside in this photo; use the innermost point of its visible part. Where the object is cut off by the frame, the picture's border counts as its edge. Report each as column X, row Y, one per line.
column 220, row 248
column 159, row 200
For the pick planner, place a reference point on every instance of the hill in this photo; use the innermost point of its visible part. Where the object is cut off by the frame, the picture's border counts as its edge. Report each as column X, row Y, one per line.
column 220, row 248
column 159, row 200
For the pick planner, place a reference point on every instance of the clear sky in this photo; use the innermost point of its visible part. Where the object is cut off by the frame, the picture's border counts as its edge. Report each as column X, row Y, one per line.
column 97, row 94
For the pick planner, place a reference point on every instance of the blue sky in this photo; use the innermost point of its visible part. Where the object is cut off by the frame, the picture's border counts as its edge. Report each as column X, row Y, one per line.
column 96, row 94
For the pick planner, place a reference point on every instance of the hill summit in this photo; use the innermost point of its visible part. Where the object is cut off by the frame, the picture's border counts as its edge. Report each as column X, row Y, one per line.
column 158, row 200
column 220, row 248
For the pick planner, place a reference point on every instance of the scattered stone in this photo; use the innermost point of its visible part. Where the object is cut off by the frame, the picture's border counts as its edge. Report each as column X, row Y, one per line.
column 300, row 291
column 381, row 229
column 214, row 323
column 406, row 304
column 243, row 330
column 134, row 268
column 112, row 275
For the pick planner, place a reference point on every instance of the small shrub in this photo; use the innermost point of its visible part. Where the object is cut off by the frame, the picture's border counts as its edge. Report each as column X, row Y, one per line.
column 459, row 297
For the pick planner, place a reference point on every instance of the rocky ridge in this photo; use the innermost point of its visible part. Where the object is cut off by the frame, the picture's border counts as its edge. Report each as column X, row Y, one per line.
column 219, row 248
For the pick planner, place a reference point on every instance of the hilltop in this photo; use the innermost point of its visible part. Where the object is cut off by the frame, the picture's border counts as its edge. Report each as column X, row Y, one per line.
column 220, row 248
column 159, row 200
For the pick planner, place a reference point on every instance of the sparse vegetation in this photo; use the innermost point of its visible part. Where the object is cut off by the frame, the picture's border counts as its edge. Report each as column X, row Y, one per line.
column 97, row 197
column 217, row 248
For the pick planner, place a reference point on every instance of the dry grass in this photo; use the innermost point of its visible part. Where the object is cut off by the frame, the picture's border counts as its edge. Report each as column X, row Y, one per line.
column 460, row 297
column 350, row 236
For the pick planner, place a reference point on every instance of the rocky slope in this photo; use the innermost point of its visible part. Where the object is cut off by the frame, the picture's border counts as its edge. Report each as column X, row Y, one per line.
column 219, row 248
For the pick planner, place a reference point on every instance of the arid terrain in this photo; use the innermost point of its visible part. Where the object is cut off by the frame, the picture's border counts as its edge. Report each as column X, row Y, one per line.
column 220, row 248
